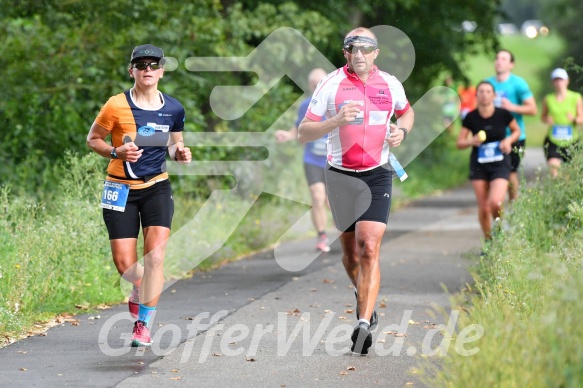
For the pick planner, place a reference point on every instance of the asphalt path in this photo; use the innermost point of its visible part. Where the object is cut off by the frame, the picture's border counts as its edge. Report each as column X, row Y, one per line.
column 253, row 323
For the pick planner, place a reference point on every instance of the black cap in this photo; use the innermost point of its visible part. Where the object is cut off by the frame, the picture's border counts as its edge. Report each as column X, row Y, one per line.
column 147, row 51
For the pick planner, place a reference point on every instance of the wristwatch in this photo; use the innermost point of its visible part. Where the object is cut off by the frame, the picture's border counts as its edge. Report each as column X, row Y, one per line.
column 404, row 133
column 113, row 153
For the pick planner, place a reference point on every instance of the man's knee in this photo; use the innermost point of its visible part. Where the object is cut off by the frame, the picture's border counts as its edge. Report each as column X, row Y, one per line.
column 369, row 250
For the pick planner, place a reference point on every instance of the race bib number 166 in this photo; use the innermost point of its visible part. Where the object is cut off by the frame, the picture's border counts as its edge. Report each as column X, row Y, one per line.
column 115, row 196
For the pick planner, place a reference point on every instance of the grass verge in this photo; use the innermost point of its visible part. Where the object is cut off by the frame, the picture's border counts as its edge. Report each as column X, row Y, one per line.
column 528, row 294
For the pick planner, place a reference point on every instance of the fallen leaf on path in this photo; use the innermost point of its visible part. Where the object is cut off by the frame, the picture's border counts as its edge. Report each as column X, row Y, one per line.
column 313, row 290
column 176, row 378
column 250, row 359
column 351, row 368
column 343, row 373
column 217, row 354
column 327, row 281
column 349, row 311
column 23, row 369
column 175, row 370
column 82, row 306
column 383, row 304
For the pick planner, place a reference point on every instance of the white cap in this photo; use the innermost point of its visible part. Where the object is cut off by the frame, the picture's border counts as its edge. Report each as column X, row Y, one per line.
column 559, row 73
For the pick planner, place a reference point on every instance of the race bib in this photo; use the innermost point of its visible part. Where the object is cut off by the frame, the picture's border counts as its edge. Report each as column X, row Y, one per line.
column 377, row 117
column 115, row 196
column 319, row 147
column 563, row 132
column 490, row 152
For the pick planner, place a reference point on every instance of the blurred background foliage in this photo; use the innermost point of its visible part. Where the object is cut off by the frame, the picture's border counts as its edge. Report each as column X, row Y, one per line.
column 61, row 61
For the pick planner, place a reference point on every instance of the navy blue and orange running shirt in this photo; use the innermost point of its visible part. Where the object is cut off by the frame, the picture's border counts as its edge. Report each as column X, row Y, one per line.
column 148, row 129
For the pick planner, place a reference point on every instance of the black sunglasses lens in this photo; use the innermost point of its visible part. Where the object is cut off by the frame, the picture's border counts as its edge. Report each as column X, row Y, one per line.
column 144, row 65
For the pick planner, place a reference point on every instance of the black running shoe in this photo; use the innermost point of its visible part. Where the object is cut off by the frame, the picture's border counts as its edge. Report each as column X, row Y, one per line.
column 374, row 319
column 361, row 338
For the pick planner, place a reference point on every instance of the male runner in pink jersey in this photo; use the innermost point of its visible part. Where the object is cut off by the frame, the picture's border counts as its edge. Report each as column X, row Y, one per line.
column 358, row 101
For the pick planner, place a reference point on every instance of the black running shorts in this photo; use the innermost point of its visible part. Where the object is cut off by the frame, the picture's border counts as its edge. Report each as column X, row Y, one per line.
column 490, row 171
column 554, row 151
column 359, row 196
column 152, row 206
column 516, row 154
column 314, row 174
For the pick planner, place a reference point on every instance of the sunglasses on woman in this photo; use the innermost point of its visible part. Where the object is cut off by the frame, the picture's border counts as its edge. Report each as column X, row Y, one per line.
column 144, row 65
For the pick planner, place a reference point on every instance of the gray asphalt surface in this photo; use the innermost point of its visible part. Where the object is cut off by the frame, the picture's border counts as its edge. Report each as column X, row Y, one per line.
column 275, row 328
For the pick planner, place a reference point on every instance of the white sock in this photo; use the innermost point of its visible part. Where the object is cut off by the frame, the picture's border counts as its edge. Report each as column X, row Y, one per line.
column 365, row 321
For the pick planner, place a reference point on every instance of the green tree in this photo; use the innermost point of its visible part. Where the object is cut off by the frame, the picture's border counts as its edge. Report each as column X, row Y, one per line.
column 61, row 60
column 565, row 17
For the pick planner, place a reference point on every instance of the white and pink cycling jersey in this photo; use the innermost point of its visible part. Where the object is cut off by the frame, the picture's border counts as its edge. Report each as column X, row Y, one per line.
column 360, row 144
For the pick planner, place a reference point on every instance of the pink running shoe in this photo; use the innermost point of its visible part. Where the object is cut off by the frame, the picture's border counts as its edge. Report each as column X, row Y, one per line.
column 134, row 302
column 322, row 244
column 141, row 335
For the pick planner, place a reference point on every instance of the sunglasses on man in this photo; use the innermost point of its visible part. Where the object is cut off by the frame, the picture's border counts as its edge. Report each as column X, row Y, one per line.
column 366, row 49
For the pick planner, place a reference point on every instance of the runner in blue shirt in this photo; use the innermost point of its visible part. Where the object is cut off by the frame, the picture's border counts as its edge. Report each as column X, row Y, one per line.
column 314, row 163
column 514, row 95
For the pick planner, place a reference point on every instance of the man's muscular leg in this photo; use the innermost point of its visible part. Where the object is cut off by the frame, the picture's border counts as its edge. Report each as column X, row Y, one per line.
column 361, row 261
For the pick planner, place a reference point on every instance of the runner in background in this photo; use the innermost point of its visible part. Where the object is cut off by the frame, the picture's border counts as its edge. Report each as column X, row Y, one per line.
column 484, row 129
column 562, row 111
column 467, row 93
column 314, row 165
column 514, row 95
